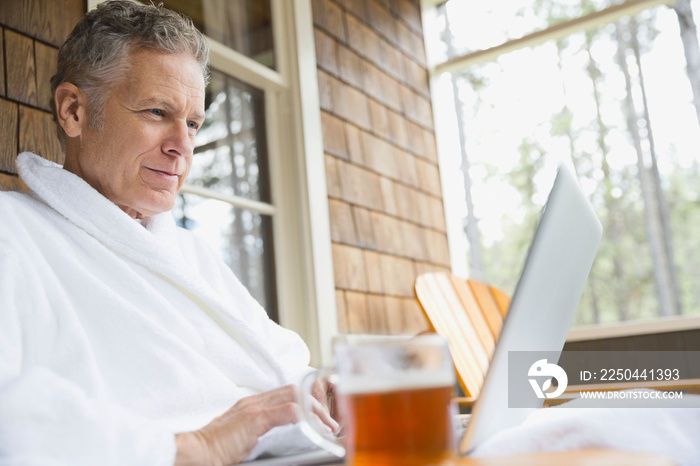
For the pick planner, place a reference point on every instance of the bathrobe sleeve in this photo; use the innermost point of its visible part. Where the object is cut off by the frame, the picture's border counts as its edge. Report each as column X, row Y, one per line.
column 44, row 418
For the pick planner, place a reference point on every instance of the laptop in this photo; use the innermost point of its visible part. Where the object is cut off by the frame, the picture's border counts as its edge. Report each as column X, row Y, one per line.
column 540, row 314
column 544, row 302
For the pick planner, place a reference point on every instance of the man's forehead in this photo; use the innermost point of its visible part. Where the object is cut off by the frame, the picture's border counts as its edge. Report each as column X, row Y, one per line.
column 162, row 67
column 164, row 78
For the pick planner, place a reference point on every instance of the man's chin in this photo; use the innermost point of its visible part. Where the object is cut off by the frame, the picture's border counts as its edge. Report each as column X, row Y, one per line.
column 131, row 212
column 148, row 210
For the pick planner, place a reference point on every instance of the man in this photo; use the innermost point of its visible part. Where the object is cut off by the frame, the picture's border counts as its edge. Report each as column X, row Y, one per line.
column 124, row 339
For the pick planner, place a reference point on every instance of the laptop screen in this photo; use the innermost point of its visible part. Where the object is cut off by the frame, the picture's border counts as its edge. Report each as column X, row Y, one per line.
column 545, row 300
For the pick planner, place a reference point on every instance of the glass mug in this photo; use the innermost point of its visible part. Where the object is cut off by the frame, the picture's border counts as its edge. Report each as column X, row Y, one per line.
column 394, row 401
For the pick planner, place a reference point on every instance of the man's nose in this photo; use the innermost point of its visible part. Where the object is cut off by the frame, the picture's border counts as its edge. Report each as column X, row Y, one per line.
column 179, row 141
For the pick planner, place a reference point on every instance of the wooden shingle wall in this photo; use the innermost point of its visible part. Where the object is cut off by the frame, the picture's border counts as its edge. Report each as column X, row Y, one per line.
column 30, row 33
column 386, row 211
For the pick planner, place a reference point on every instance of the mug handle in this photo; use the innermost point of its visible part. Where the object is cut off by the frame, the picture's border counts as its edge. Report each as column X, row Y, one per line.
column 308, row 420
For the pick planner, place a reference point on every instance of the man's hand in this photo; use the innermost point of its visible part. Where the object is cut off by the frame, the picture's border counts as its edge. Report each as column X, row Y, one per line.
column 229, row 438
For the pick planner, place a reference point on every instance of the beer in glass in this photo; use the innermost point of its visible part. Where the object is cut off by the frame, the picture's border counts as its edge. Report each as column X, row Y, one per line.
column 394, row 398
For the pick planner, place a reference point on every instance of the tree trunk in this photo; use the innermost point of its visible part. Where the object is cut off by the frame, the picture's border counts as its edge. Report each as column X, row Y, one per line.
column 663, row 263
column 471, row 228
column 612, row 227
column 595, row 307
column 691, row 49
column 668, row 265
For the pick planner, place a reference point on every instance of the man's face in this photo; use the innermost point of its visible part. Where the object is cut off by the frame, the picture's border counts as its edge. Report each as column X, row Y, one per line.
column 141, row 157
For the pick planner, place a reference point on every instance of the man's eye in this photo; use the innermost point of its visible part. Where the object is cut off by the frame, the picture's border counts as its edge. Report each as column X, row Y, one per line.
column 157, row 112
column 193, row 125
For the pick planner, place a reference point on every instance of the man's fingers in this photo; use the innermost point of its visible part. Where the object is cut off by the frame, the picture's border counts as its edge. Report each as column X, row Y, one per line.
column 233, row 435
column 230, row 437
column 325, row 416
column 281, row 406
column 319, row 390
column 272, row 397
column 278, row 407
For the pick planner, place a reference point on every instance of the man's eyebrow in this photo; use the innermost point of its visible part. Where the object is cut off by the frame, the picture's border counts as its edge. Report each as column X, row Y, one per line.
column 199, row 117
column 158, row 102
column 153, row 102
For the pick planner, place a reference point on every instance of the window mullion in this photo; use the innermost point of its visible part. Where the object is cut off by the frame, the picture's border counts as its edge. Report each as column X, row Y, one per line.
column 245, row 69
column 583, row 23
column 279, row 36
column 237, row 201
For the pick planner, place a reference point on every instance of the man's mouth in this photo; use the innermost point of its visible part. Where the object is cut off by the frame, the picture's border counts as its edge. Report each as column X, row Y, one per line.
column 163, row 172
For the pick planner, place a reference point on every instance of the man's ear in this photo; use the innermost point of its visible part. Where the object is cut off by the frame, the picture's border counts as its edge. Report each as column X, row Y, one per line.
column 70, row 108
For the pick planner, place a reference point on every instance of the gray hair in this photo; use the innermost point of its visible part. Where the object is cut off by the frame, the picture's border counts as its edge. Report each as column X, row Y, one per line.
column 96, row 54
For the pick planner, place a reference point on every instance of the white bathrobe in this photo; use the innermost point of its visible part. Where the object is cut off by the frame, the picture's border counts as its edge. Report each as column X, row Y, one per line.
column 116, row 335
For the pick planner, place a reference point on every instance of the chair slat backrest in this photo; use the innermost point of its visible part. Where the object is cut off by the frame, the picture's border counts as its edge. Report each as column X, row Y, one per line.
column 445, row 313
column 487, row 306
column 502, row 300
column 470, row 305
column 469, row 315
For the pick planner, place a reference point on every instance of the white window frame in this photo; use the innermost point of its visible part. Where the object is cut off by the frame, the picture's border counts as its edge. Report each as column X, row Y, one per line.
column 299, row 206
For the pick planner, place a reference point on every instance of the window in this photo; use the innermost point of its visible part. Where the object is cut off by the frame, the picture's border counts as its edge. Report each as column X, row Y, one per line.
column 231, row 161
column 242, row 25
column 604, row 85
column 227, row 198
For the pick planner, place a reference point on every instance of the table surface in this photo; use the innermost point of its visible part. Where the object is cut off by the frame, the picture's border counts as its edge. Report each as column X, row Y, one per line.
column 570, row 458
column 578, row 458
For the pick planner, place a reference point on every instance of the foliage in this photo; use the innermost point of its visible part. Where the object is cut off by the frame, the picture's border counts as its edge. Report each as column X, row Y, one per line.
column 589, row 122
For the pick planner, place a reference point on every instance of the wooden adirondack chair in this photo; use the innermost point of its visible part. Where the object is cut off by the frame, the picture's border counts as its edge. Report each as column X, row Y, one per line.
column 469, row 314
